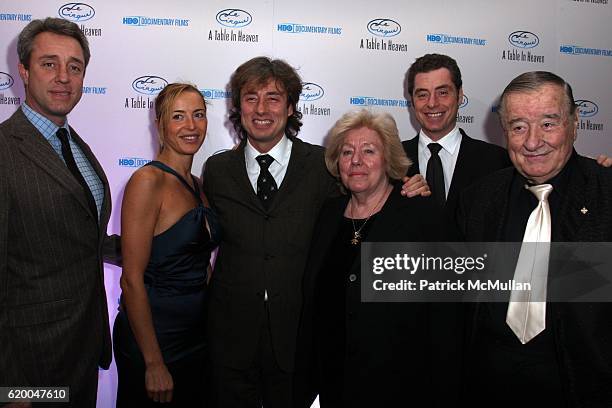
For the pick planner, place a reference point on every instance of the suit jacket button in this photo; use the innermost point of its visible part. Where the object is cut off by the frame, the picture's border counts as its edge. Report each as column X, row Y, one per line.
column 352, row 277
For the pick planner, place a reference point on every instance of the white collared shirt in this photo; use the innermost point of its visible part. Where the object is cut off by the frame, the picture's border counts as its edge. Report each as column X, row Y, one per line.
column 281, row 153
column 448, row 154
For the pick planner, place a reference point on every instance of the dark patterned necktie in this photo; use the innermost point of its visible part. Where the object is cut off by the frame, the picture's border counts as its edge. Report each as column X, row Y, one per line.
column 266, row 186
column 435, row 174
column 62, row 135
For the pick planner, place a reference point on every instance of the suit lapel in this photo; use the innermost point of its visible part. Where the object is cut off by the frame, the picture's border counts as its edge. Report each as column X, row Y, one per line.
column 411, row 149
column 462, row 176
column 328, row 225
column 497, row 209
column 95, row 164
column 296, row 170
column 237, row 171
column 567, row 225
column 37, row 149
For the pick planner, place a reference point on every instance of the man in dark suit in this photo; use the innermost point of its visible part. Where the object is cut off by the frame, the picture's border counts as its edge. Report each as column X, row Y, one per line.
column 567, row 362
column 267, row 213
column 435, row 88
column 53, row 315
column 267, row 193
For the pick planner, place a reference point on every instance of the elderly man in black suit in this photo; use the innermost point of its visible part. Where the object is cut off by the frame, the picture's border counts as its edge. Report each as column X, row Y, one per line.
column 54, row 208
column 559, row 354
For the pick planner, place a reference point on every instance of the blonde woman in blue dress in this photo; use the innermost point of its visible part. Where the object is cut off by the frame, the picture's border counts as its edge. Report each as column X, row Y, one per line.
column 168, row 233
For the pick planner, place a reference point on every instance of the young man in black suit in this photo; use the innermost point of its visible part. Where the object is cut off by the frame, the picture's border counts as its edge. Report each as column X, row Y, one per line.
column 451, row 161
column 267, row 193
column 435, row 88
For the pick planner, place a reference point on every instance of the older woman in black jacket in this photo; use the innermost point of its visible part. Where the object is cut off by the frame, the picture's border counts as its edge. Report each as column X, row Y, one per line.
column 358, row 354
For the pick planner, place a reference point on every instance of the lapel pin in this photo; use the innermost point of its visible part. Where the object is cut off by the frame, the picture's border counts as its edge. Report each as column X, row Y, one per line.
column 584, row 211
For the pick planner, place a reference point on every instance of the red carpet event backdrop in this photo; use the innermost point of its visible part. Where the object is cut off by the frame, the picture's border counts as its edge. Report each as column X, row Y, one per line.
column 349, row 53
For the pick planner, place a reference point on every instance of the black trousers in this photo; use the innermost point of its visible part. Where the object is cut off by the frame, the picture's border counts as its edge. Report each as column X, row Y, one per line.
column 262, row 384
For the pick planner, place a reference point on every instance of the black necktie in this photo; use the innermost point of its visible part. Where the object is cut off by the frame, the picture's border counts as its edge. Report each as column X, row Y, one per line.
column 266, row 186
column 62, row 135
column 435, row 174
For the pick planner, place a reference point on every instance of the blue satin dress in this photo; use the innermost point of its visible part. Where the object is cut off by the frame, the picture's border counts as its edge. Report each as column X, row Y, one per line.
column 175, row 280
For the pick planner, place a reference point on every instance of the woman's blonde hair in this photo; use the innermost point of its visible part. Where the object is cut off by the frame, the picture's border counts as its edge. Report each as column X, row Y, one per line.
column 397, row 163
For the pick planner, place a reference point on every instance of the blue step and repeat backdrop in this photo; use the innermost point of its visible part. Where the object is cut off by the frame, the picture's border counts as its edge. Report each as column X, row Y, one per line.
column 350, row 54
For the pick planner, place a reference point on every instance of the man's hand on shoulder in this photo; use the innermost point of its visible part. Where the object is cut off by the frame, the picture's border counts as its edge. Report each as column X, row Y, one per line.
column 604, row 160
column 414, row 186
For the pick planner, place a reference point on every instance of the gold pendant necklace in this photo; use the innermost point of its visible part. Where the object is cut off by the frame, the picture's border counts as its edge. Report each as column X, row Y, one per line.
column 357, row 231
column 356, row 234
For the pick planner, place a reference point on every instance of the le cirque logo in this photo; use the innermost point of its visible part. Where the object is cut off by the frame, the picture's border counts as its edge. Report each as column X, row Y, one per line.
column 586, row 108
column 6, row 81
column 149, row 84
column 524, row 39
column 384, row 27
column 234, row 18
column 76, row 12
column 311, row 91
